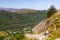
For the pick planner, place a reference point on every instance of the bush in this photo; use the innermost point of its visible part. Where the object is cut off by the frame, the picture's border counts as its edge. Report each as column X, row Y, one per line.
column 51, row 11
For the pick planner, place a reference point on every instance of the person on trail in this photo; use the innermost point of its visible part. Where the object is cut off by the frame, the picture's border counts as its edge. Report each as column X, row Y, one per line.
column 46, row 33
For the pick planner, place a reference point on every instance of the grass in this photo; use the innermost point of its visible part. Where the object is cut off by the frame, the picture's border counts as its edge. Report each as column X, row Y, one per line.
column 3, row 33
column 55, row 30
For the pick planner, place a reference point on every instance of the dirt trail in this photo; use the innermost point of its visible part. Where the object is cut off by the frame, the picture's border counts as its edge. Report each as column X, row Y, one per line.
column 39, row 27
column 37, row 36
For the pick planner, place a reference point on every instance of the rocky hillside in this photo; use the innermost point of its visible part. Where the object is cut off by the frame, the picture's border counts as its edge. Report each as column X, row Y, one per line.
column 43, row 25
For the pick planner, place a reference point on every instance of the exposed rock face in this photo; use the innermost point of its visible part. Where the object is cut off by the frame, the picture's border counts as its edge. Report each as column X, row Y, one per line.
column 47, row 22
column 39, row 27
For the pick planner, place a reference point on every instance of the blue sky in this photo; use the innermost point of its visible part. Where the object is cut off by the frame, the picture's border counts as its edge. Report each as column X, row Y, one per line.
column 31, row 4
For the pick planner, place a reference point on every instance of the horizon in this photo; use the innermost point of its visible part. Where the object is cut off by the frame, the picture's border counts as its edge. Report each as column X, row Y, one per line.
column 29, row 4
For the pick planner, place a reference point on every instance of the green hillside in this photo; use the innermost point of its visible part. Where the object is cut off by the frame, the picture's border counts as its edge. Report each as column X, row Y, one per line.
column 54, row 27
column 55, row 30
column 10, row 20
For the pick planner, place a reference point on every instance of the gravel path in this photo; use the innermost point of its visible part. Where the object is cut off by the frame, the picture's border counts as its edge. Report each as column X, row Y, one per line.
column 37, row 36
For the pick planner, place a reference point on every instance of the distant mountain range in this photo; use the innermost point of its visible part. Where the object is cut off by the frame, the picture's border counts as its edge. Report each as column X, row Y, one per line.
column 18, row 10
column 23, row 10
column 8, row 9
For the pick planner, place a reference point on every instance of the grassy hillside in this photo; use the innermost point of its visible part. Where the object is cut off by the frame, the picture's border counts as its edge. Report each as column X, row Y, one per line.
column 10, row 20
column 54, row 30
column 52, row 24
column 54, row 27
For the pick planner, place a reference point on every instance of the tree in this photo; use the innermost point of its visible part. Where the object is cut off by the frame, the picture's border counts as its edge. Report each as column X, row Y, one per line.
column 51, row 11
column 19, row 36
column 1, row 38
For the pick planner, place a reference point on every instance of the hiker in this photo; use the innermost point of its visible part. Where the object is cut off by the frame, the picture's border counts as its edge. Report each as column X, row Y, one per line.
column 46, row 33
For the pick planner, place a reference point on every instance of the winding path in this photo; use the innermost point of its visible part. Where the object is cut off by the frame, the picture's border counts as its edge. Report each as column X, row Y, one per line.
column 37, row 36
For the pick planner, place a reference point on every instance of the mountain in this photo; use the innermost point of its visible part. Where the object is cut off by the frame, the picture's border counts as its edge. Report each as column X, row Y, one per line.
column 54, row 27
column 8, row 9
column 23, row 10
column 14, row 21
column 46, row 22
column 26, row 10
column 52, row 24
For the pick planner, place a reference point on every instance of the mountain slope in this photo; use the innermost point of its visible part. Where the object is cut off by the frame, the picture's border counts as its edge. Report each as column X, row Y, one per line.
column 54, row 28
column 47, row 22
column 12, row 20
column 8, row 9
column 51, row 24
column 26, row 11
